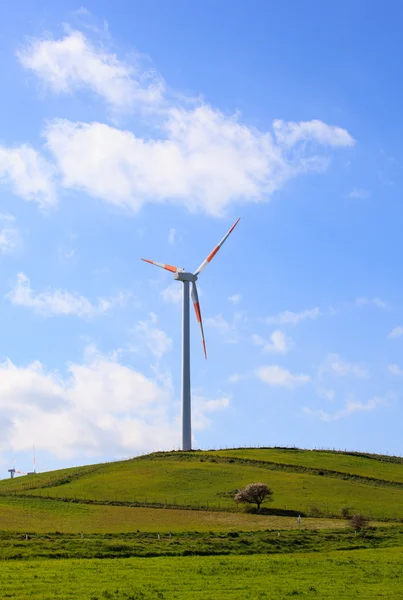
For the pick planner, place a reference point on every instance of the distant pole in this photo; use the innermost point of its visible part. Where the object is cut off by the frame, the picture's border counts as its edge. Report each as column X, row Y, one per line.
column 186, row 410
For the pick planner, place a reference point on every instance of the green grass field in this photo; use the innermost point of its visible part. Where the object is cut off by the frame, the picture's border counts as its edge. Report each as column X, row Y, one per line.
column 78, row 519
column 379, row 468
column 200, row 482
column 38, row 546
column 42, row 516
column 364, row 574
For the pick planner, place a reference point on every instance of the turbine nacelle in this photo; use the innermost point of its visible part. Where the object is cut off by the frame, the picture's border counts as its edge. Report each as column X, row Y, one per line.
column 183, row 276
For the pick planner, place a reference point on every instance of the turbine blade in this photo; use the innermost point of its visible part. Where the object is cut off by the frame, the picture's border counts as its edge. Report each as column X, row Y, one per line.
column 157, row 264
column 196, row 304
column 216, row 249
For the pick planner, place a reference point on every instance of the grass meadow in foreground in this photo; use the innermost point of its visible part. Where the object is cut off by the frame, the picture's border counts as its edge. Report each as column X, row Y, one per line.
column 364, row 574
column 42, row 516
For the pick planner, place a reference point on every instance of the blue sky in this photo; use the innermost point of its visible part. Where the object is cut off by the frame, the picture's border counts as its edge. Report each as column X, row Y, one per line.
column 147, row 129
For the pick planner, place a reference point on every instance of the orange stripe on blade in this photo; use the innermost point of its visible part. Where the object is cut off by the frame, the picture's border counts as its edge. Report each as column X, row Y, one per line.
column 234, row 225
column 213, row 253
column 170, row 268
column 197, row 311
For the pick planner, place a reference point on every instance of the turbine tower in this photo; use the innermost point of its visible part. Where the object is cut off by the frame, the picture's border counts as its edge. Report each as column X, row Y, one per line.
column 186, row 278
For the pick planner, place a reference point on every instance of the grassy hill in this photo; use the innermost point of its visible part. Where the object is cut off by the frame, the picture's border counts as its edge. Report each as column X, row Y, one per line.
column 311, row 483
column 152, row 513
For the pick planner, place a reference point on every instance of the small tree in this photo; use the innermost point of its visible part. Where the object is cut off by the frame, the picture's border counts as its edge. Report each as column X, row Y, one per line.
column 345, row 512
column 254, row 493
column 358, row 522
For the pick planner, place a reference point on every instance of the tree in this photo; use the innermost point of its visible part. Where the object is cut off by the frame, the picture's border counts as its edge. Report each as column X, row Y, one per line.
column 345, row 512
column 358, row 522
column 254, row 493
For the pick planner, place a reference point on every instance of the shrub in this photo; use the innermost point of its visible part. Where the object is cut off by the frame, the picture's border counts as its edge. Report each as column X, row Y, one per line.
column 345, row 512
column 359, row 522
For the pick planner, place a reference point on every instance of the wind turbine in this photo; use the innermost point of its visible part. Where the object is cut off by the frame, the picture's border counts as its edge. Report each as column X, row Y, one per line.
column 186, row 278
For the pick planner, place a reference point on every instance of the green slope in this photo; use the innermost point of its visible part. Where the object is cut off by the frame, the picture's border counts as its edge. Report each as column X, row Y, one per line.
column 373, row 466
column 313, row 481
column 36, row 515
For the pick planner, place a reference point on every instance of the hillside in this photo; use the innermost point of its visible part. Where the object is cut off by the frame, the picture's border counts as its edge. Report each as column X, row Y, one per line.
column 310, row 483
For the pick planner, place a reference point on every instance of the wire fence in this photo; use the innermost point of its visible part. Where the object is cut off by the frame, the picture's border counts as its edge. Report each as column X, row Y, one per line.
column 308, row 510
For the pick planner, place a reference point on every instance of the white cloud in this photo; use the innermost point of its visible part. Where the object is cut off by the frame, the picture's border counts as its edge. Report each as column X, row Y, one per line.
column 172, row 236
column 219, row 323
column 172, row 293
column 276, row 376
column 72, row 63
column 101, row 407
column 203, row 406
column 199, row 158
column 279, row 343
column 290, row 133
column 236, row 378
column 9, row 235
column 374, row 301
column 206, row 161
column 351, row 407
column 379, row 303
column 287, row 317
column 156, row 340
column 235, row 298
column 395, row 370
column 396, row 332
column 326, row 393
column 358, row 193
column 28, row 174
column 58, row 302
column 341, row 367
column 229, row 330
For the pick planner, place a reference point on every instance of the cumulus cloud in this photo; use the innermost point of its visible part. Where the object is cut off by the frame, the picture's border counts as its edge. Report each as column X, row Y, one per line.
column 236, row 378
column 172, row 236
column 235, row 298
column 291, row 133
column 58, row 302
column 199, row 158
column 371, row 301
column 229, row 330
column 156, row 340
column 28, row 174
column 9, row 234
column 205, row 161
column 172, row 293
column 203, row 407
column 395, row 370
column 326, row 393
column 350, row 408
column 358, row 193
column 396, row 332
column 341, row 367
column 278, row 343
column 288, row 317
column 100, row 407
column 72, row 63
column 276, row 376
